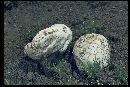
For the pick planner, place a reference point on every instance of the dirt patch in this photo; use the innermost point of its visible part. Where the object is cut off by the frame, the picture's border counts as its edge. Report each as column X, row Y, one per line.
column 25, row 19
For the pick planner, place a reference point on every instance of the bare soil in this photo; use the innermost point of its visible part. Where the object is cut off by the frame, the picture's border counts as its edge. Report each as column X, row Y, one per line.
column 25, row 19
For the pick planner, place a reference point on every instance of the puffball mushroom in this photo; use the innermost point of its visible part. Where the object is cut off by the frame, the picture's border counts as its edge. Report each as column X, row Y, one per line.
column 49, row 40
column 90, row 48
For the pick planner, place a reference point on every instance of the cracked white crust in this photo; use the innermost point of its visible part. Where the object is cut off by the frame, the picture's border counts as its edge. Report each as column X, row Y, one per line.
column 49, row 40
column 92, row 47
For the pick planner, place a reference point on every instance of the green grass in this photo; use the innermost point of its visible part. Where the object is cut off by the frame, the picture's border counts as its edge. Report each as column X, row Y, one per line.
column 64, row 73
column 90, row 26
column 91, row 69
column 10, row 82
column 60, row 67
column 120, row 75
column 7, row 82
column 6, row 3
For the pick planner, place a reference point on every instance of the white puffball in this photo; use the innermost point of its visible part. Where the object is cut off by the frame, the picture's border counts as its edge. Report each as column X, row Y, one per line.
column 49, row 40
column 90, row 48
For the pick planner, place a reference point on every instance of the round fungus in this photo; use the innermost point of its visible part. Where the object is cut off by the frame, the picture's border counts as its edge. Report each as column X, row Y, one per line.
column 49, row 40
column 92, row 48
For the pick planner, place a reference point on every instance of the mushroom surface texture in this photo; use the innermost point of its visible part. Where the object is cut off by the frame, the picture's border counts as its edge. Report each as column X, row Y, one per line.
column 92, row 48
column 49, row 40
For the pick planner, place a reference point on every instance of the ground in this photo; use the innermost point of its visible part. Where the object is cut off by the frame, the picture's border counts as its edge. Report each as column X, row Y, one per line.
column 25, row 19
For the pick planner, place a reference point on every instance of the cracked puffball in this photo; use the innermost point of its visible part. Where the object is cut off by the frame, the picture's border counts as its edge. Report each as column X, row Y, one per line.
column 49, row 40
column 92, row 48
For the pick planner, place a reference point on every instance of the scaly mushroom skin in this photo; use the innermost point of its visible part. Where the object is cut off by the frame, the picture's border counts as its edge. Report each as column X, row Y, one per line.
column 90, row 48
column 49, row 40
